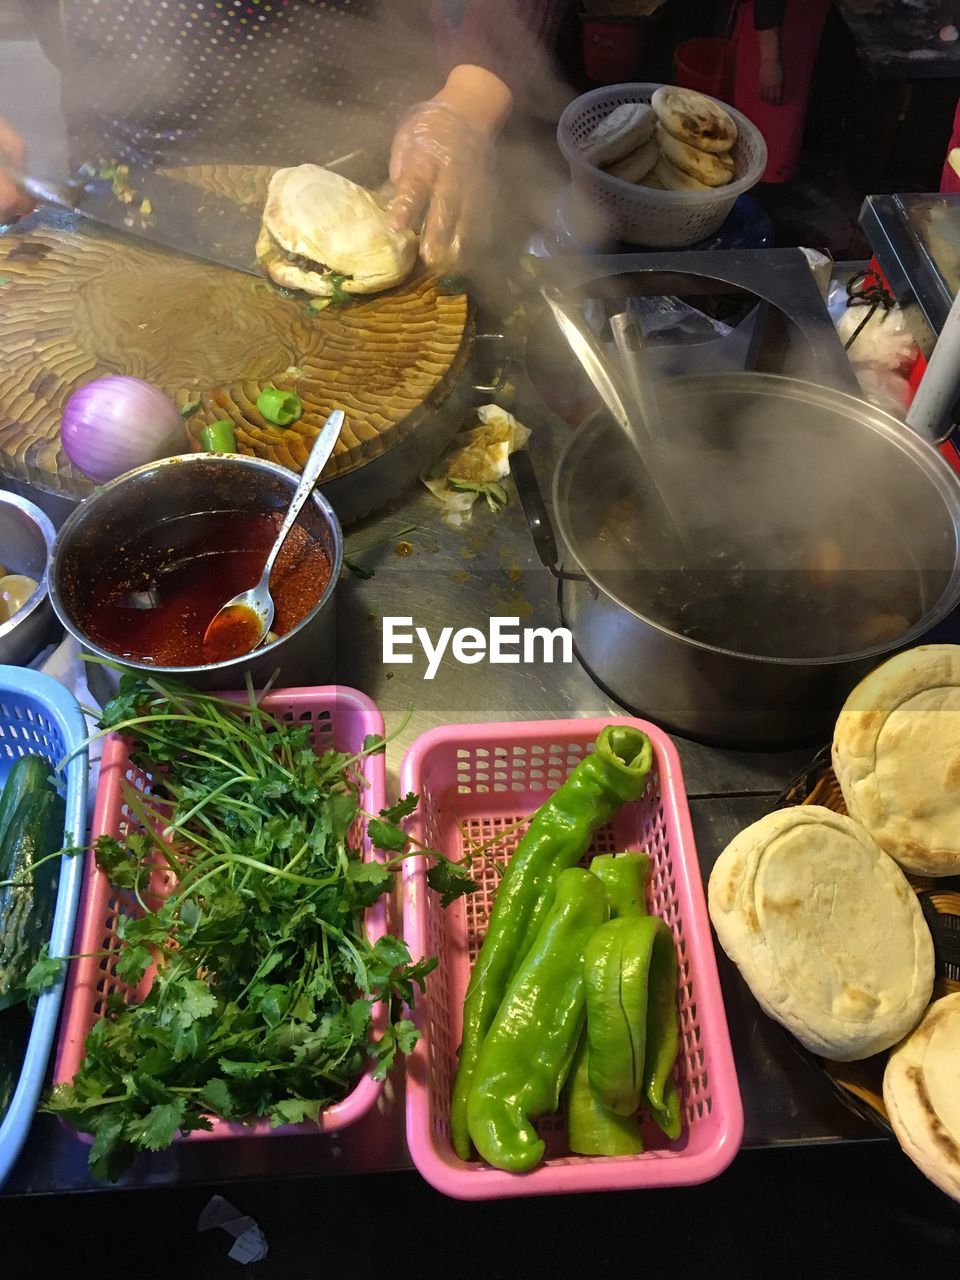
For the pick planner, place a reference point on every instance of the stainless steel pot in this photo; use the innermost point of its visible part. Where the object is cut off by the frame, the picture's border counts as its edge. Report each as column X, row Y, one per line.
column 830, row 537
column 26, row 541
column 172, row 493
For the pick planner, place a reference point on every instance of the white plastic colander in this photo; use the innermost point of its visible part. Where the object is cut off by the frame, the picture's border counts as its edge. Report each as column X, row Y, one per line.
column 645, row 215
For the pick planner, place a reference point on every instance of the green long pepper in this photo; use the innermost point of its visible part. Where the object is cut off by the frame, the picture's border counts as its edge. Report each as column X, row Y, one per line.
column 594, row 1129
column 529, row 1049
column 558, row 836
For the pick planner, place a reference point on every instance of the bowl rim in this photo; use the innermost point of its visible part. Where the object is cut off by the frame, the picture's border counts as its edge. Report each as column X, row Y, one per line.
column 643, row 91
column 68, row 529
column 39, row 596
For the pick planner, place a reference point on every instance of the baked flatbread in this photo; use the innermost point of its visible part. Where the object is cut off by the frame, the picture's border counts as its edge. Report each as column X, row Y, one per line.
column 694, row 119
column 638, row 163
column 674, row 179
column 825, row 929
column 896, row 754
column 921, row 1091
column 323, row 233
column 619, row 133
column 713, row 170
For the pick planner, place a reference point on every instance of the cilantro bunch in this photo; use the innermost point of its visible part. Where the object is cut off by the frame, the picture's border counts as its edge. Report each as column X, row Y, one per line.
column 261, row 1000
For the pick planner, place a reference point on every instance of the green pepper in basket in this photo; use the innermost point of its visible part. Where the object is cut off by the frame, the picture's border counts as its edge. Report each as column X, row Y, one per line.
column 631, row 1008
column 624, row 876
column 593, row 1129
column 663, row 1036
column 558, row 836
column 527, row 1053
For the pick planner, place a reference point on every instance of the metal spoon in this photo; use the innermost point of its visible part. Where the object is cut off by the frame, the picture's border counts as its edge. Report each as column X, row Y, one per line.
column 255, row 607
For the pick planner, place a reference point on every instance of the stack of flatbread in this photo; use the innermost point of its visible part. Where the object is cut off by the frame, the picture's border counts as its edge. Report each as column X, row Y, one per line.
column 815, row 909
column 682, row 141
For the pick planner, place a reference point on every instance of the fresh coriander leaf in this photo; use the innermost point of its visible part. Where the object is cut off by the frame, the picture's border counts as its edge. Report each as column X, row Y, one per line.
column 294, row 1111
column 402, row 809
column 197, row 1001
column 374, row 744
column 399, row 1037
column 241, row 1070
column 216, row 1095
column 371, row 879
column 4, row 280
column 133, row 963
column 44, row 973
column 386, row 836
column 158, row 1128
column 359, row 570
column 450, row 880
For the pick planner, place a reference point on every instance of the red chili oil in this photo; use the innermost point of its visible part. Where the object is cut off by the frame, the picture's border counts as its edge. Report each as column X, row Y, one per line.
column 231, row 634
column 152, row 601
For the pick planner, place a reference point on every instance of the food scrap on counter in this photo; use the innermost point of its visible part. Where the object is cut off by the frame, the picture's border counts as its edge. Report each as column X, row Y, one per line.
column 476, row 463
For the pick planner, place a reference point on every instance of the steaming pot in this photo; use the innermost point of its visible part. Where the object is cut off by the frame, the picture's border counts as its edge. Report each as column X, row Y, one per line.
column 825, row 536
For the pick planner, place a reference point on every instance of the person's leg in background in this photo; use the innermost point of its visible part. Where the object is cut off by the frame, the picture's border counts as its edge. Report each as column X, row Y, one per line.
column 774, row 68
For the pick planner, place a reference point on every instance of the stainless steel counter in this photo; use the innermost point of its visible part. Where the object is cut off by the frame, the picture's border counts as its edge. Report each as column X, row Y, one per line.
column 460, row 577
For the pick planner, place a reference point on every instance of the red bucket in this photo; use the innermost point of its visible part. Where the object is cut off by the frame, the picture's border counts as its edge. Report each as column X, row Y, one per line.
column 706, row 65
column 613, row 49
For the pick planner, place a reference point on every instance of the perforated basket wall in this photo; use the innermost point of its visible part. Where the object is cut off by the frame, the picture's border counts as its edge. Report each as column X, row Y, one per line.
column 39, row 717
column 643, row 215
column 340, row 718
column 481, row 783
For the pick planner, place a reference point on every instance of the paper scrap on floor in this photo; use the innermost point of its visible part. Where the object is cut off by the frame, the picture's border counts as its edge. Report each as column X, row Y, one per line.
column 476, row 463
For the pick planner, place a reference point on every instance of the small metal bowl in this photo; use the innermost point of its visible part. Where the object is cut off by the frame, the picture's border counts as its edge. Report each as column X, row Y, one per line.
column 26, row 545
column 189, row 487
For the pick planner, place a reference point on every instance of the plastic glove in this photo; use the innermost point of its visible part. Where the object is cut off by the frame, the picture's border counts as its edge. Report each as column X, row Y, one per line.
column 13, row 203
column 441, row 167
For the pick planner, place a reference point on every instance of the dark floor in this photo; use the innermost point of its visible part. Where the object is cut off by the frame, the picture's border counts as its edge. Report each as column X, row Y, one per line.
column 857, row 1212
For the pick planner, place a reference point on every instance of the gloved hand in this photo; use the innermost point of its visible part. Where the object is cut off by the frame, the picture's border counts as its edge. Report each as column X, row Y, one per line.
column 13, row 203
column 441, row 167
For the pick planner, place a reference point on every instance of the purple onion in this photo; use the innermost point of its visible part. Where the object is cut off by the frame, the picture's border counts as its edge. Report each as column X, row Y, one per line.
column 115, row 424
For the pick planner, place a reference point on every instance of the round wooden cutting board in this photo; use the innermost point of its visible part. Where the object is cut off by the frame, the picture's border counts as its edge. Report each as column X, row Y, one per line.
column 76, row 305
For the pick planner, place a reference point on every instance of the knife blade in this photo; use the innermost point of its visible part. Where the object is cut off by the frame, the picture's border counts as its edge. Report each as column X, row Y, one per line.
column 176, row 215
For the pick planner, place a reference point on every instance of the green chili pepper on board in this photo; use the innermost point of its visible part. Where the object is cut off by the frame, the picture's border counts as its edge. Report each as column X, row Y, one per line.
column 558, row 836
column 279, row 407
column 219, row 437
column 528, row 1050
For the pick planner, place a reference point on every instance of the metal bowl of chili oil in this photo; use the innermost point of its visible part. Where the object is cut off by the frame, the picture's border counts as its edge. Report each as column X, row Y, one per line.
column 143, row 564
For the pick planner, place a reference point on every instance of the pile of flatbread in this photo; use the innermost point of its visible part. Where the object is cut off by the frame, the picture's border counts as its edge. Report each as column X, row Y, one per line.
column 682, row 141
column 815, row 910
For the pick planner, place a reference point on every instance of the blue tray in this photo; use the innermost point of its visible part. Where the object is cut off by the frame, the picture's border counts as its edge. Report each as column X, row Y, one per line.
column 40, row 717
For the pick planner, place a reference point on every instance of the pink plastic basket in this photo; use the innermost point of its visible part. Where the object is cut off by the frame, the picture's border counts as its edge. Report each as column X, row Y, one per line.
column 475, row 780
column 341, row 718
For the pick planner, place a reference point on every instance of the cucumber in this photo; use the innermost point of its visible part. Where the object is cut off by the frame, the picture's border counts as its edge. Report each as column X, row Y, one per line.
column 27, row 908
column 29, row 774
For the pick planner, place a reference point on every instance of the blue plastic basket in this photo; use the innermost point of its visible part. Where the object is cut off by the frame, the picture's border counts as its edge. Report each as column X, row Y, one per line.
column 40, row 717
